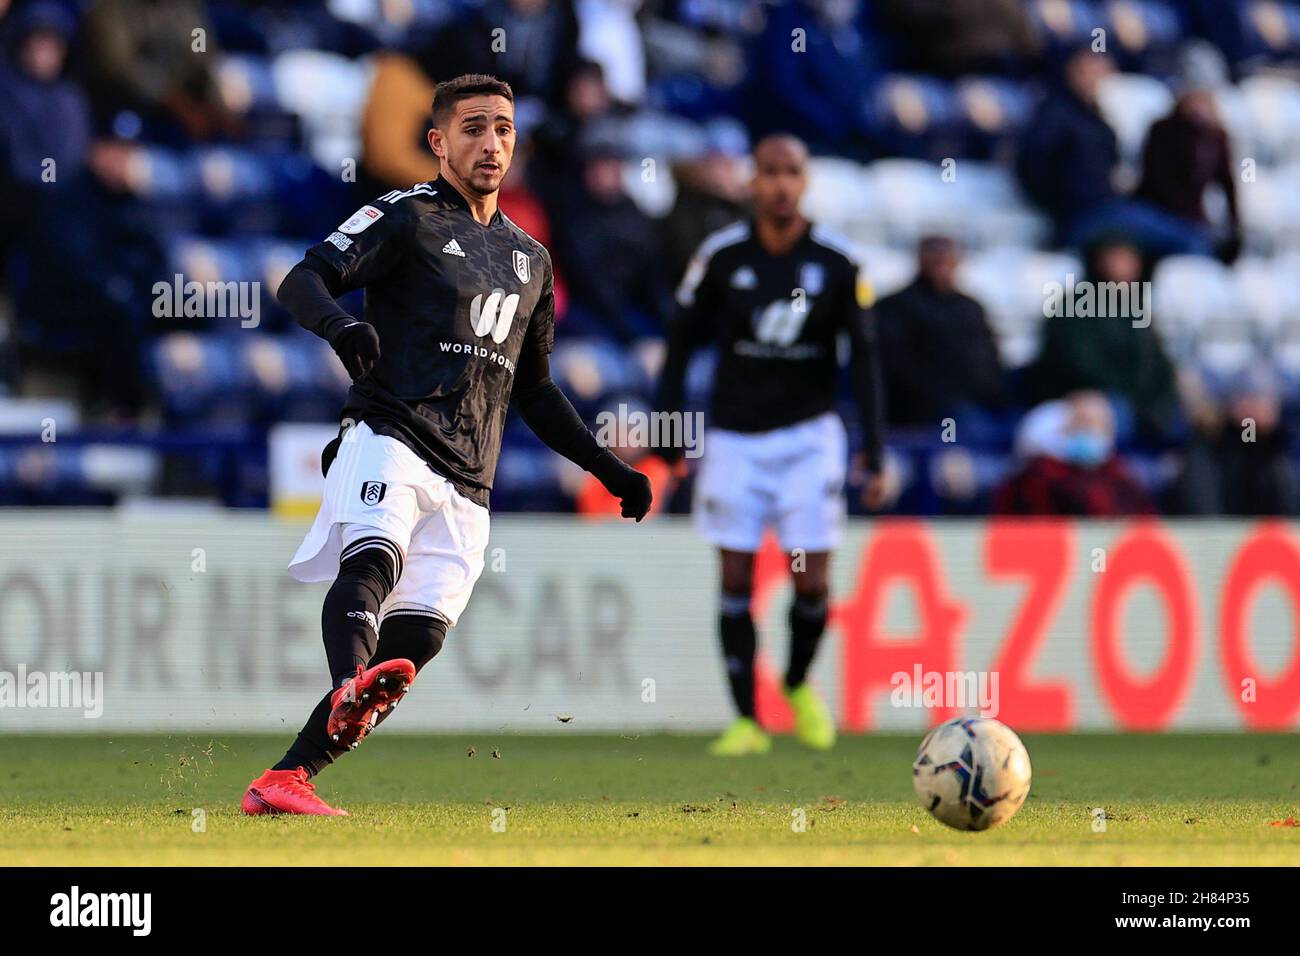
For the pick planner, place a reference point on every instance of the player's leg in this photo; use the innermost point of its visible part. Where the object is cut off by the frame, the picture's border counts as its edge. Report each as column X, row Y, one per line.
column 739, row 649
column 730, row 510
column 360, row 692
column 363, row 528
column 443, row 565
column 415, row 636
column 813, row 722
column 810, row 525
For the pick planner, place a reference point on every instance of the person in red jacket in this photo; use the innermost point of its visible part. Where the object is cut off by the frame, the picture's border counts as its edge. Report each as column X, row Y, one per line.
column 1067, row 448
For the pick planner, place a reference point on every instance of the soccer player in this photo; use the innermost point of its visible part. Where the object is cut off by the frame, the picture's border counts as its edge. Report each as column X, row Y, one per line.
column 458, row 323
column 776, row 293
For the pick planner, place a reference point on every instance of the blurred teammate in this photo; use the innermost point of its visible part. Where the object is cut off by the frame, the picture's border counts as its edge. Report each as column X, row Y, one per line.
column 459, row 320
column 775, row 294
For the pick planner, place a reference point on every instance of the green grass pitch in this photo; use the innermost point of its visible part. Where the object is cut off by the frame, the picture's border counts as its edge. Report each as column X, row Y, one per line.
column 575, row 799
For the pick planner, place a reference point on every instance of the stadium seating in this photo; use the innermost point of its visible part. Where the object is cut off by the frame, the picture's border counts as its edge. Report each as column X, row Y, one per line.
column 936, row 158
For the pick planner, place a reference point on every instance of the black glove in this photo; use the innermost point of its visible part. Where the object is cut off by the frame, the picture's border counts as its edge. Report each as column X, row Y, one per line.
column 357, row 345
column 625, row 483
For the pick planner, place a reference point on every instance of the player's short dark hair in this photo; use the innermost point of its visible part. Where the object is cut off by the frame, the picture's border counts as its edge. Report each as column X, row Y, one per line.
column 451, row 92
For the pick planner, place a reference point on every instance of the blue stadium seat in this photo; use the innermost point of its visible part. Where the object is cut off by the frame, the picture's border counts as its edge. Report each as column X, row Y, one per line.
column 993, row 108
column 589, row 369
column 1271, row 104
column 1192, row 291
column 44, row 475
column 916, row 116
column 165, row 174
column 1131, row 102
column 200, row 378
column 1270, row 29
column 1064, row 23
column 1145, row 34
column 246, row 83
column 531, row 477
column 841, row 193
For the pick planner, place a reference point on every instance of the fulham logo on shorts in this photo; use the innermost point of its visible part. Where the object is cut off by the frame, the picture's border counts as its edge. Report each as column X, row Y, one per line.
column 372, row 492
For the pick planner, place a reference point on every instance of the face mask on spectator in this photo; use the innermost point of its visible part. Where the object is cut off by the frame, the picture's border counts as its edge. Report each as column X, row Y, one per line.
column 1085, row 449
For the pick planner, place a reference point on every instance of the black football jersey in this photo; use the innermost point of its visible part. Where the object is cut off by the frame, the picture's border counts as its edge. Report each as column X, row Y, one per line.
column 454, row 303
column 776, row 321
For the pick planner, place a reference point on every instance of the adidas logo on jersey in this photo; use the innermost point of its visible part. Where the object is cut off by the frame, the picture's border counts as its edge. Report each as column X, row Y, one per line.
column 453, row 249
column 744, row 278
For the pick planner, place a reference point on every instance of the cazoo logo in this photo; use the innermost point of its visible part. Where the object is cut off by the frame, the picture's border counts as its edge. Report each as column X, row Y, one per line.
column 495, row 315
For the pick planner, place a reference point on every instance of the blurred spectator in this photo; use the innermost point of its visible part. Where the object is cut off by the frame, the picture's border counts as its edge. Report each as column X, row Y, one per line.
column 610, row 36
column 45, row 123
column 1188, row 151
column 135, row 187
column 609, row 252
column 518, row 201
column 1069, row 152
column 66, row 240
column 1238, row 462
column 531, row 44
column 1109, row 352
column 394, row 150
column 810, row 75
column 1221, row 24
column 699, row 72
column 1068, row 162
column 154, row 58
column 46, row 117
column 936, row 348
column 586, row 102
column 712, row 192
column 1068, row 464
column 958, row 37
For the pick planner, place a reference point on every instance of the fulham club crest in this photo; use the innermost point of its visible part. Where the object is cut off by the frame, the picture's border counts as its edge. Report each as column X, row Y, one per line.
column 521, row 266
column 372, row 492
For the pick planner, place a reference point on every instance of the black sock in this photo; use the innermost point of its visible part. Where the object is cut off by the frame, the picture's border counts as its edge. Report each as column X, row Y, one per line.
column 807, row 624
column 739, row 643
column 313, row 750
column 350, row 616
column 415, row 637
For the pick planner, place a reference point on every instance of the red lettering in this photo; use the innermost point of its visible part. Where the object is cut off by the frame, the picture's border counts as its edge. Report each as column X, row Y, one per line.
column 1269, row 555
column 902, row 554
column 771, row 568
column 1041, row 553
column 1144, row 555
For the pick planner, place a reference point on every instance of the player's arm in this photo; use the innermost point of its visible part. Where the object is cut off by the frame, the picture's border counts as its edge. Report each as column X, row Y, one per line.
column 365, row 249
column 309, row 292
column 864, row 366
column 553, row 419
column 690, row 328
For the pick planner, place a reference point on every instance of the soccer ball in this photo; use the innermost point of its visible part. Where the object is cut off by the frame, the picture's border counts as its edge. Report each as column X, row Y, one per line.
column 971, row 773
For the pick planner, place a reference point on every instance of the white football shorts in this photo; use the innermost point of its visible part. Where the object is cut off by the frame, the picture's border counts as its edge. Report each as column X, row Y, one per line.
column 790, row 479
column 378, row 487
